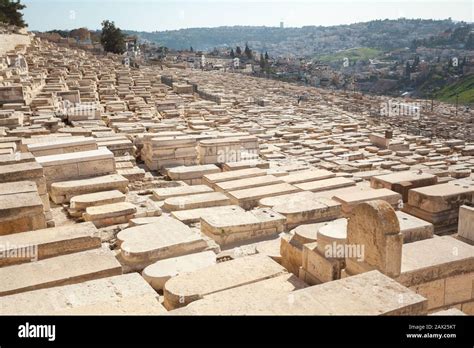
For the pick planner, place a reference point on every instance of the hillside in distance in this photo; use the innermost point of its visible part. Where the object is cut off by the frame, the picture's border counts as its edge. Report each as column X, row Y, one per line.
column 303, row 42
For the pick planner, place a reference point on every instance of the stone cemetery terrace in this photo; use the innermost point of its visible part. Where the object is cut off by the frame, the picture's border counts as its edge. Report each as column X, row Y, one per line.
column 179, row 191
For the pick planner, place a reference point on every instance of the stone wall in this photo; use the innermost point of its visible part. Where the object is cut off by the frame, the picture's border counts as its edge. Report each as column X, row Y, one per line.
column 9, row 41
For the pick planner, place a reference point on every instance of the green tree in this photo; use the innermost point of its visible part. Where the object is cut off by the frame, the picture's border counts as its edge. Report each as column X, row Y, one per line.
column 232, row 54
column 248, row 51
column 191, row 49
column 266, row 56
column 112, row 38
column 10, row 13
column 238, row 50
column 407, row 70
column 262, row 61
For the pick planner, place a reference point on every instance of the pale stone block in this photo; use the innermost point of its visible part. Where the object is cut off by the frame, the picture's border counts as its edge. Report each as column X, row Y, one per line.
column 117, row 295
column 370, row 293
column 68, row 269
column 459, row 288
column 188, row 287
column 145, row 244
column 435, row 258
column 434, row 291
column 160, row 272
column 375, row 225
column 41, row 244
column 466, row 223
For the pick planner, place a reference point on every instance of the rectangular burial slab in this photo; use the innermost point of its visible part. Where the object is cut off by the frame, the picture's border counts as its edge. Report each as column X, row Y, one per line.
column 118, row 295
column 308, row 175
column 21, row 208
column 249, row 198
column 326, row 184
column 370, row 293
column 413, row 228
column 238, row 226
column 216, row 303
column 21, row 171
column 163, row 193
column 188, row 287
column 402, row 182
column 187, row 173
column 229, row 166
column 307, row 209
column 110, row 214
column 62, row 192
column 158, row 273
column 9, row 205
column 212, row 179
column 61, row 270
column 202, row 200
column 80, row 203
column 50, row 242
column 60, row 146
column 17, row 157
column 194, row 215
column 442, row 197
column 168, row 237
column 247, row 183
column 350, row 199
column 435, row 258
column 77, row 165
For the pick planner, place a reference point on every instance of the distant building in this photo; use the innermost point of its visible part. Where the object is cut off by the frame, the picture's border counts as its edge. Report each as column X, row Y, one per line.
column 282, row 25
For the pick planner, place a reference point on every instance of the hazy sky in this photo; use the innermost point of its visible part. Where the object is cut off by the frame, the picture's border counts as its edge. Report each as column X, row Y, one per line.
column 151, row 15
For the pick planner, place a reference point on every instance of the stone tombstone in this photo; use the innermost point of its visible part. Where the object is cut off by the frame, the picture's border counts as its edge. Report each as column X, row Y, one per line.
column 373, row 227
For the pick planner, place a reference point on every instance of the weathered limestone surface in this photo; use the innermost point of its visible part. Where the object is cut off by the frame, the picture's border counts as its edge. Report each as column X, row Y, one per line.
column 247, row 183
column 220, row 302
column 440, row 269
column 68, row 269
column 351, row 199
column 62, row 192
column 194, row 215
column 308, row 176
column 77, row 165
column 41, row 244
column 370, row 293
column 21, row 208
column 61, row 146
column 305, row 180
column 323, row 261
column 186, row 288
column 249, row 198
column 168, row 192
column 212, row 179
column 202, row 200
column 413, row 228
column 160, row 272
column 110, row 214
column 402, row 182
column 192, row 175
column 466, row 223
column 326, row 184
column 79, row 204
column 375, row 226
column 116, row 295
column 142, row 245
column 439, row 204
column 238, row 226
column 303, row 209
